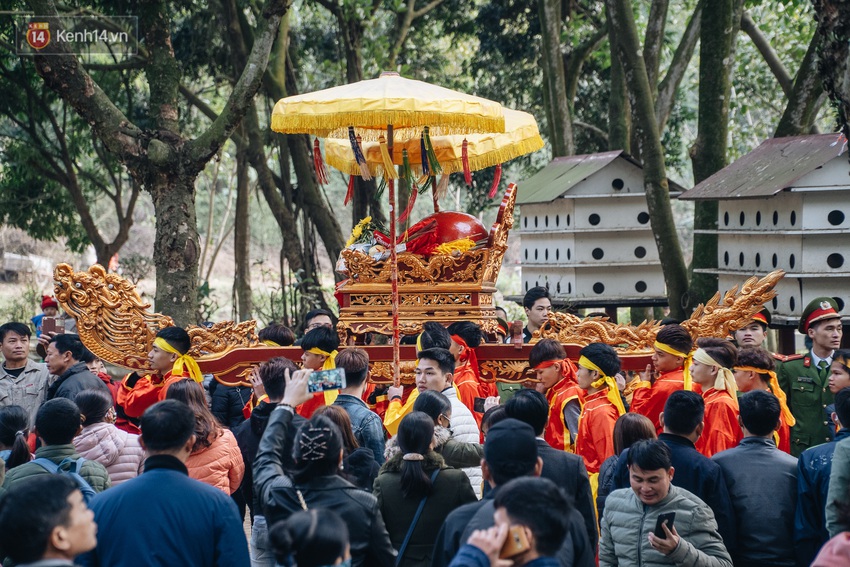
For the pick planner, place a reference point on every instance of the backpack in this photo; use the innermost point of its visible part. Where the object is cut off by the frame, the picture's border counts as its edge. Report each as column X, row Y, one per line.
column 76, row 466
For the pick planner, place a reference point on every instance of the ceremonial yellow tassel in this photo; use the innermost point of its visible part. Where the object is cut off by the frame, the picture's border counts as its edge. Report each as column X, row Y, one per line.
column 389, row 168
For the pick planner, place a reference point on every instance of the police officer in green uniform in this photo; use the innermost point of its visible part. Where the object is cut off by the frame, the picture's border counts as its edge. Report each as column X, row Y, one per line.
column 805, row 377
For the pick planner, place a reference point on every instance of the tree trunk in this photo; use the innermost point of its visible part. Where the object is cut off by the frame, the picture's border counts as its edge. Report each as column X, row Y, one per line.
column 655, row 176
column 804, row 101
column 619, row 112
column 176, row 245
column 717, row 56
column 242, row 239
column 653, row 40
column 833, row 18
column 560, row 127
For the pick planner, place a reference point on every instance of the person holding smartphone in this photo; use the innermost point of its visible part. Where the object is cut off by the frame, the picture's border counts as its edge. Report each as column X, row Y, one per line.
column 635, row 518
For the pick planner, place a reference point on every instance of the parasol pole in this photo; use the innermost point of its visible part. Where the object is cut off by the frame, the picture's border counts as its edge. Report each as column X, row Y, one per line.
column 393, row 267
column 434, row 194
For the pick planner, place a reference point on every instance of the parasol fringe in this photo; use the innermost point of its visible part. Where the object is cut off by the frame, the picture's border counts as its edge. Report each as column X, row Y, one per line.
column 389, row 168
column 373, row 124
column 464, row 156
column 322, row 176
column 350, row 193
column 476, row 163
column 496, row 179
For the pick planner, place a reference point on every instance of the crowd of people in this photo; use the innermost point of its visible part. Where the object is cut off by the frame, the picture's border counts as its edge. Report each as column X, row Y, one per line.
column 718, row 453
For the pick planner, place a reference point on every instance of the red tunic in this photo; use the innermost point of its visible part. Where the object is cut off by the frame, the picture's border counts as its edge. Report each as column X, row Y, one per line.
column 650, row 401
column 782, row 436
column 595, row 438
column 557, row 434
column 722, row 430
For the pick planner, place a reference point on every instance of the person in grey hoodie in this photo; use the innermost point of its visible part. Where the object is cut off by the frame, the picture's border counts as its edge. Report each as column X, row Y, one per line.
column 631, row 514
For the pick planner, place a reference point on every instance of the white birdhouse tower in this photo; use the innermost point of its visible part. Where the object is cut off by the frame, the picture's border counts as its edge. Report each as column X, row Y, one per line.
column 586, row 235
column 785, row 205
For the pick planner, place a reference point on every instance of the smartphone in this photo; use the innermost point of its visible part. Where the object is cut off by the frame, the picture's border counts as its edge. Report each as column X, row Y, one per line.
column 659, row 523
column 52, row 325
column 478, row 405
column 323, row 380
column 515, row 543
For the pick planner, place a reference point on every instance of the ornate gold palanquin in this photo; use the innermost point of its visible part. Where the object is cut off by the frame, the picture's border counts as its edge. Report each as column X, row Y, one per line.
column 443, row 287
column 115, row 323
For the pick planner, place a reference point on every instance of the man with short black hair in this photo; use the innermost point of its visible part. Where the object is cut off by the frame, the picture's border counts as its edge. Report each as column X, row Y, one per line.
column 682, row 421
column 509, row 453
column 65, row 360
column 566, row 470
column 57, row 422
column 537, row 304
column 45, row 522
column 22, row 382
column 814, row 468
column 762, row 483
column 535, row 505
column 365, row 424
column 163, row 517
column 631, row 514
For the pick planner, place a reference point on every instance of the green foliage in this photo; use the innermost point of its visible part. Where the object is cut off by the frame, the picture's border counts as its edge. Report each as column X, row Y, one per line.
column 21, row 306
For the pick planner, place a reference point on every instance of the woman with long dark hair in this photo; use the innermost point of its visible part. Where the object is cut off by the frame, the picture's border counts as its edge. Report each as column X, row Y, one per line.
column 417, row 477
column 14, row 429
column 216, row 458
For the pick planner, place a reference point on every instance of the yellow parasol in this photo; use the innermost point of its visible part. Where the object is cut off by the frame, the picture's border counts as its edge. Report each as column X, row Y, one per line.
column 393, row 105
column 369, row 106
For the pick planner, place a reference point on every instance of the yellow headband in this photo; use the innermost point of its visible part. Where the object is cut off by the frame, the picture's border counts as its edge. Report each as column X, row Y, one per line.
column 270, row 343
column 725, row 378
column 183, row 361
column 419, row 342
column 613, row 391
column 777, row 391
column 330, row 361
column 686, row 367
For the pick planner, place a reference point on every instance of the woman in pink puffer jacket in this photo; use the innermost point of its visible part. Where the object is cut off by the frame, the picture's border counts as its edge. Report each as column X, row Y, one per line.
column 216, row 459
column 120, row 452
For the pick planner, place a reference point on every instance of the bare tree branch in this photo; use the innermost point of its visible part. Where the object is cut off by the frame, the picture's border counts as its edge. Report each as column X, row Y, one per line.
column 770, row 57
column 676, row 71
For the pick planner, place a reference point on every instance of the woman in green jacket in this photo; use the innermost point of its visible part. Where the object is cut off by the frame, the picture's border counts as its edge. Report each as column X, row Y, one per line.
column 416, row 474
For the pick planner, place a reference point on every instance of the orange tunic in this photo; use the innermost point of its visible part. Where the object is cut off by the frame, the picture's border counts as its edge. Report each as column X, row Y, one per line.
column 147, row 391
column 557, row 433
column 595, row 438
column 650, row 401
column 722, row 430
column 467, row 386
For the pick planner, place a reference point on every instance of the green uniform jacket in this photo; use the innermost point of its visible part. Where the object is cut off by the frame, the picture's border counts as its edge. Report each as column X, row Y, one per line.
column 808, row 395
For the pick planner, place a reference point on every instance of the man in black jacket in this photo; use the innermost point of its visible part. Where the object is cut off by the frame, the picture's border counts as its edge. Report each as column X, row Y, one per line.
column 564, row 469
column 248, row 434
column 509, row 453
column 682, row 420
column 63, row 359
column 762, row 482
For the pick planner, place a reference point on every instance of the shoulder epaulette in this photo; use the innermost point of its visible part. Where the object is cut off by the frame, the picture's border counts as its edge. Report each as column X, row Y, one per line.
column 787, row 357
